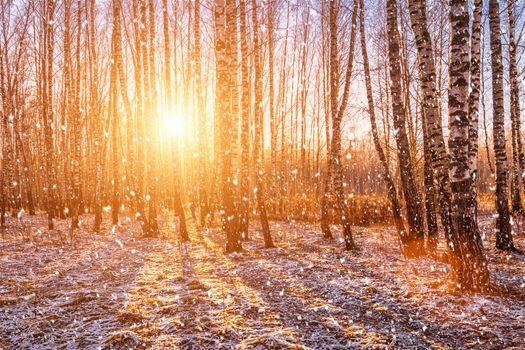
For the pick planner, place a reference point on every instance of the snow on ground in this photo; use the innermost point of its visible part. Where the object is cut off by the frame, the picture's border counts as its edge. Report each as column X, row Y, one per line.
column 120, row 291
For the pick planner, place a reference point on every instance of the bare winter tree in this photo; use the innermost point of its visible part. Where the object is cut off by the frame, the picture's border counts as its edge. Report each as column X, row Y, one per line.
column 468, row 259
column 203, row 196
column 76, row 129
column 503, row 228
column 224, row 117
column 413, row 240
column 258, row 148
column 518, row 156
column 48, row 8
column 434, row 129
column 473, row 102
column 244, row 203
column 391, row 189
column 334, row 176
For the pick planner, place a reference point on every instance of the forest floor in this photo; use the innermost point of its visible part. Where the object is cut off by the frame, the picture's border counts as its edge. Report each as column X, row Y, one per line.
column 119, row 291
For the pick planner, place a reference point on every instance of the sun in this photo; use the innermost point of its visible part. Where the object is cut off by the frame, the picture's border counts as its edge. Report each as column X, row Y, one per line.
column 174, row 123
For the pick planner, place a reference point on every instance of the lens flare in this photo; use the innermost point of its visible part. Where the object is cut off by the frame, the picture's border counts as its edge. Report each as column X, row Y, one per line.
column 174, row 123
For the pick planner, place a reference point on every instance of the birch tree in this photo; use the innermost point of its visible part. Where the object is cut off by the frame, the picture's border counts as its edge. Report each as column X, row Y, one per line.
column 503, row 228
column 468, row 259
column 244, row 203
column 47, row 108
column 337, row 109
column 391, row 189
column 473, row 102
column 76, row 131
column 224, row 117
column 203, row 196
column 434, row 128
column 518, row 156
column 258, row 148
column 413, row 240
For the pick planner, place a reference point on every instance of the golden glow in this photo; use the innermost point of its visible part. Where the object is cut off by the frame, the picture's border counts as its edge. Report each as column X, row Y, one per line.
column 174, row 123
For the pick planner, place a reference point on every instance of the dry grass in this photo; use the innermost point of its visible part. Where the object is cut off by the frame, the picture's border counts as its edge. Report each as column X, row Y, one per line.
column 486, row 202
column 364, row 210
column 306, row 294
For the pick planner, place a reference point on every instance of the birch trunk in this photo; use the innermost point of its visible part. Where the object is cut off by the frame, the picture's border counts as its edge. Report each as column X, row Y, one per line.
column 145, row 128
column 503, row 228
column 273, row 127
column 202, row 138
column 434, row 129
column 139, row 164
column 77, row 133
column 152, row 145
column 391, row 189
column 47, row 107
column 258, row 148
column 7, row 118
column 244, row 207
column 413, row 241
column 468, row 259
column 224, row 122
column 473, row 104
column 518, row 157
column 335, row 167
column 428, row 181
